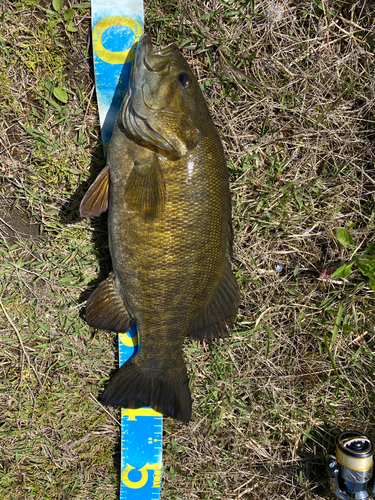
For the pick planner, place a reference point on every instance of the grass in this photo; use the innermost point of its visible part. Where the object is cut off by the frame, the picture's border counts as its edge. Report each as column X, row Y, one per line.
column 291, row 89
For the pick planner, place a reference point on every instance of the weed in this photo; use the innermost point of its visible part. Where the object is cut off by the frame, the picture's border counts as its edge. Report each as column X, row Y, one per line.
column 364, row 261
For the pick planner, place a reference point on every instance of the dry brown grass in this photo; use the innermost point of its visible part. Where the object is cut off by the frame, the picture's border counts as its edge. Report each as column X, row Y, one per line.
column 291, row 89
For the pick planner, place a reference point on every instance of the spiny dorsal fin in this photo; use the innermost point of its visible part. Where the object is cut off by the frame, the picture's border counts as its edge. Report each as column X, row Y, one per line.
column 95, row 200
column 105, row 309
column 145, row 190
column 217, row 319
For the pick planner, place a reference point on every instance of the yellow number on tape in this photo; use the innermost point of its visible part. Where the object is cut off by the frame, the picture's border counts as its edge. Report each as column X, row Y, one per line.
column 144, row 478
column 129, row 341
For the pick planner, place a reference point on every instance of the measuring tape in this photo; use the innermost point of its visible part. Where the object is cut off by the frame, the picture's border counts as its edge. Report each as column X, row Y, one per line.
column 116, row 26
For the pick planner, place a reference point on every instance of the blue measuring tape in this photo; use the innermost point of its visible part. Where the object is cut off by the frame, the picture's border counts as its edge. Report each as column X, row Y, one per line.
column 116, row 27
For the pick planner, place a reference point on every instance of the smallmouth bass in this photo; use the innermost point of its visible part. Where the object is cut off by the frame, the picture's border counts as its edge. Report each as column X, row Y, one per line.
column 166, row 187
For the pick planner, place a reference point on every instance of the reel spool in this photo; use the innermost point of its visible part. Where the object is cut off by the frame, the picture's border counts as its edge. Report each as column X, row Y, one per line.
column 351, row 470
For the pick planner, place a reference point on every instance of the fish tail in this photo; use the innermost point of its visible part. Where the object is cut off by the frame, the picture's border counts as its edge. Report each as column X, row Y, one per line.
column 166, row 391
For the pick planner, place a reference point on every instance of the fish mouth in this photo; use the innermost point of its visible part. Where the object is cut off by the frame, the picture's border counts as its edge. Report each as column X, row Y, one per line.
column 149, row 60
column 157, row 60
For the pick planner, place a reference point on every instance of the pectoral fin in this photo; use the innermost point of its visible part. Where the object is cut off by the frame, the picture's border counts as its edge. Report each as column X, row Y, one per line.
column 145, row 190
column 105, row 309
column 95, row 200
column 217, row 319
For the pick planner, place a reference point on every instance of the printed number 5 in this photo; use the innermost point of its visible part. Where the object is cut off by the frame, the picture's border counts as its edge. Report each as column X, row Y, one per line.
column 144, row 478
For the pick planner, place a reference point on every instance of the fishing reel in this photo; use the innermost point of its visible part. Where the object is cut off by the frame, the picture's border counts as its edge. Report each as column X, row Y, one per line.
column 351, row 470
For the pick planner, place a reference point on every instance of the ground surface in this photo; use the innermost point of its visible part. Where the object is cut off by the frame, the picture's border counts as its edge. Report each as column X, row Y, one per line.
column 290, row 85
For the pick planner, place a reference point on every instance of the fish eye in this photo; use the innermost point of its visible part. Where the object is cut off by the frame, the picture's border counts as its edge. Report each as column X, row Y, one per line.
column 184, row 80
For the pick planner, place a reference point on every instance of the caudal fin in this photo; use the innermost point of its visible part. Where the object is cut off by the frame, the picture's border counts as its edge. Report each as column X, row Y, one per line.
column 135, row 386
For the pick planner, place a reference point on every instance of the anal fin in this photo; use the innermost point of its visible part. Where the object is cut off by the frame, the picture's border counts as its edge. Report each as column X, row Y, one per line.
column 216, row 321
column 145, row 190
column 95, row 200
column 105, row 309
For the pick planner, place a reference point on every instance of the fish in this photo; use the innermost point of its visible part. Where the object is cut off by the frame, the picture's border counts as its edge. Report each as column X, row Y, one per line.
column 166, row 188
